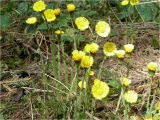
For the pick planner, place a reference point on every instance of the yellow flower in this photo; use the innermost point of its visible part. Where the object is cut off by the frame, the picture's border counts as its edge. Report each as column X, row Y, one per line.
column 57, row 11
column 102, row 29
column 82, row 23
column 87, row 48
column 91, row 48
column 128, row 48
column 87, row 61
column 99, row 89
column 125, row 2
column 82, row 84
column 91, row 73
column 31, row 20
column 109, row 49
column 71, row 7
column 77, row 55
column 152, row 66
column 49, row 15
column 39, row 6
column 134, row 2
column 131, row 96
column 59, row 32
column 120, row 53
column 125, row 81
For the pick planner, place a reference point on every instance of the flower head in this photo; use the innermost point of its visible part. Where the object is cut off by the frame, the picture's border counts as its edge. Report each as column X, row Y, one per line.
column 128, row 48
column 49, row 15
column 134, row 2
column 109, row 49
column 102, row 29
column 91, row 73
column 57, row 11
column 125, row 2
column 91, row 48
column 125, row 81
column 77, row 55
column 152, row 66
column 131, row 96
column 82, row 23
column 31, row 20
column 82, row 84
column 39, row 6
column 59, row 32
column 120, row 53
column 87, row 61
column 71, row 7
column 99, row 89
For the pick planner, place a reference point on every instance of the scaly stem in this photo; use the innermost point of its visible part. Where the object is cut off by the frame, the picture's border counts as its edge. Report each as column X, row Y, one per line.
column 100, row 70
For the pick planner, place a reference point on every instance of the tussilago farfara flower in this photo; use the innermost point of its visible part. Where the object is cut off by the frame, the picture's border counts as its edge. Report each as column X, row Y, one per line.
column 125, row 81
column 82, row 23
column 91, row 48
column 59, row 32
column 71, row 7
column 91, row 73
column 82, row 84
column 125, row 2
column 128, row 48
column 77, row 55
column 39, row 6
column 100, row 89
column 49, row 15
column 102, row 28
column 31, row 20
column 131, row 96
column 134, row 2
column 57, row 11
column 87, row 61
column 109, row 48
column 152, row 66
column 120, row 53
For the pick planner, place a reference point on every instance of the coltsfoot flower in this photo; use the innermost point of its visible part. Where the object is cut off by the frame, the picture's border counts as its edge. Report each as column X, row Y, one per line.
column 91, row 73
column 31, row 20
column 131, row 96
column 49, row 15
column 100, row 89
column 87, row 61
column 128, row 48
column 39, row 6
column 71, row 7
column 134, row 2
column 77, row 55
column 91, row 48
column 59, row 32
column 152, row 66
column 109, row 48
column 82, row 23
column 102, row 28
column 125, row 2
column 125, row 81
column 57, row 11
column 120, row 53
column 82, row 84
